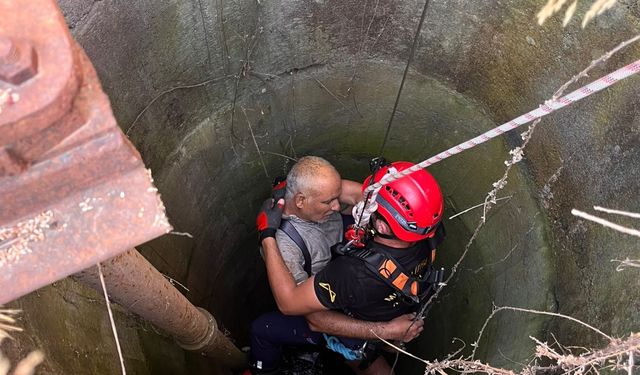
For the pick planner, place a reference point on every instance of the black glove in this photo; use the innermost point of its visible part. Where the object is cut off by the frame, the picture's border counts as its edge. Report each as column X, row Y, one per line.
column 269, row 218
column 279, row 188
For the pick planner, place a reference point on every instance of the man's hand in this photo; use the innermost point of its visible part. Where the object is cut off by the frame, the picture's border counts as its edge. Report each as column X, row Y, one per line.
column 269, row 218
column 279, row 188
column 403, row 328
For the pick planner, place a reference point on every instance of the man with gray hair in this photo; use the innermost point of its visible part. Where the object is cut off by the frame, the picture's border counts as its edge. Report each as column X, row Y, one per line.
column 314, row 197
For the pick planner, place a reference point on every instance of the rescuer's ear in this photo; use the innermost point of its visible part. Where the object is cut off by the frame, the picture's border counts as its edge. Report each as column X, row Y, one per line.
column 382, row 227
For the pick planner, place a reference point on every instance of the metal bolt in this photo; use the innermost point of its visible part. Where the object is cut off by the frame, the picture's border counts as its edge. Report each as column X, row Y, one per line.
column 11, row 164
column 6, row 48
column 18, row 61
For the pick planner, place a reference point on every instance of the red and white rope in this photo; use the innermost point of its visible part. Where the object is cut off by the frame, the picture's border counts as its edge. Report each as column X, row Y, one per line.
column 548, row 107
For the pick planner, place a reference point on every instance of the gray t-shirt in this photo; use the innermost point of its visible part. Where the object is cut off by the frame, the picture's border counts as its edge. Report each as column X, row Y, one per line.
column 319, row 237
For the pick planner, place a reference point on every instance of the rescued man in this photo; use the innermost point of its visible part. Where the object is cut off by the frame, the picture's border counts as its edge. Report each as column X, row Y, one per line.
column 407, row 230
column 314, row 196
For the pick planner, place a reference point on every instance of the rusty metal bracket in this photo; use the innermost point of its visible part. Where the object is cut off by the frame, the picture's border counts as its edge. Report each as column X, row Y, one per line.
column 73, row 189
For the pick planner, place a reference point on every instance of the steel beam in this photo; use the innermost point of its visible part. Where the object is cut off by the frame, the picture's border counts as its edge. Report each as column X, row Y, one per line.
column 73, row 189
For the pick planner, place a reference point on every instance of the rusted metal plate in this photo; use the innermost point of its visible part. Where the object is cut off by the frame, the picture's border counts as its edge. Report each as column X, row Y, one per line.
column 73, row 190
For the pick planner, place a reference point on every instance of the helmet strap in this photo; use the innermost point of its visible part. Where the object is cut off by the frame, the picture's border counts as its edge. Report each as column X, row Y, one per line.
column 387, row 236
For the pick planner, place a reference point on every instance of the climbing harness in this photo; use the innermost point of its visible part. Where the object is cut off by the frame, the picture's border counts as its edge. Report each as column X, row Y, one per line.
column 278, row 190
column 411, row 288
column 359, row 233
column 292, row 232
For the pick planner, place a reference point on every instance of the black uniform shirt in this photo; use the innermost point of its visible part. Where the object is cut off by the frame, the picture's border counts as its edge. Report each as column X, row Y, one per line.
column 347, row 284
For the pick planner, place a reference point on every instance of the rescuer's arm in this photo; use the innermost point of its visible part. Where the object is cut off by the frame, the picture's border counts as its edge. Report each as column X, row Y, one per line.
column 292, row 299
column 336, row 323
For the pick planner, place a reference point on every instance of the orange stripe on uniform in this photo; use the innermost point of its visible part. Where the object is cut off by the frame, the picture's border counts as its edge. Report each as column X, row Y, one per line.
column 387, row 268
column 400, row 281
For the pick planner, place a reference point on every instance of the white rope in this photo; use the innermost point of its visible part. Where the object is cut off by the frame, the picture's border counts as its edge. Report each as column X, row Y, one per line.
column 548, row 107
column 113, row 324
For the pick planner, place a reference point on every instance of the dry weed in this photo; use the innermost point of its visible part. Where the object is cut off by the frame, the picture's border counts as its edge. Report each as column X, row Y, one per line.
column 549, row 9
column 606, row 223
column 618, row 354
column 26, row 366
column 7, row 323
column 554, row 6
column 599, row 7
column 623, row 264
column 568, row 15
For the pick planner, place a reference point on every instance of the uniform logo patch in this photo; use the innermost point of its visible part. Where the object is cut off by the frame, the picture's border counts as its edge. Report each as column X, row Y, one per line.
column 332, row 294
column 391, row 297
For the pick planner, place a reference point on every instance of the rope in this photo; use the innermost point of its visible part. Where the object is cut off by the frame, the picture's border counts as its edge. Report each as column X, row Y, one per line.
column 404, row 75
column 548, row 107
column 365, row 209
column 113, row 324
column 337, row 346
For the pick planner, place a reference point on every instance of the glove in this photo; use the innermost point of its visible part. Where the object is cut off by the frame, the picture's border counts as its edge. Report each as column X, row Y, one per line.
column 279, row 188
column 269, row 218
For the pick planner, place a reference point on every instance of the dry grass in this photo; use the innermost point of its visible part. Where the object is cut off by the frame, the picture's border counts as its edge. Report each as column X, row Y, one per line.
column 599, row 7
column 624, row 264
column 549, row 9
column 7, row 323
column 26, row 366
column 554, row 6
column 616, row 355
column 606, row 223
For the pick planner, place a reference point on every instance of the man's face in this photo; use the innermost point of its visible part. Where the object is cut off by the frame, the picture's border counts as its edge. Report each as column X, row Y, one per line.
column 322, row 200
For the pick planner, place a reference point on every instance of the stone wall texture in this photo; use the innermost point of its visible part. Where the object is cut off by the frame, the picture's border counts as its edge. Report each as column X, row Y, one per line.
column 197, row 85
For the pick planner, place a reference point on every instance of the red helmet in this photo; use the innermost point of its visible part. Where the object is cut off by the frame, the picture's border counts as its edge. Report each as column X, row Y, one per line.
column 412, row 205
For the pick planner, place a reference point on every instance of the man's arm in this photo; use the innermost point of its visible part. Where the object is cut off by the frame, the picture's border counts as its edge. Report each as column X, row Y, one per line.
column 351, row 193
column 292, row 299
column 335, row 323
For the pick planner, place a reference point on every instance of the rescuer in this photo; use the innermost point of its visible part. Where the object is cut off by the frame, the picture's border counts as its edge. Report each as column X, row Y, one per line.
column 388, row 278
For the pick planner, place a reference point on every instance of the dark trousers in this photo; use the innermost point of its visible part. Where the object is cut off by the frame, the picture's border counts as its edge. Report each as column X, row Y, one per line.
column 271, row 331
